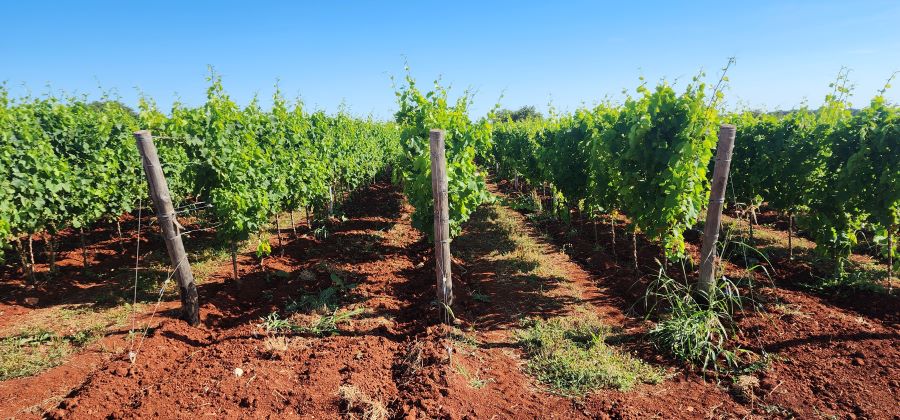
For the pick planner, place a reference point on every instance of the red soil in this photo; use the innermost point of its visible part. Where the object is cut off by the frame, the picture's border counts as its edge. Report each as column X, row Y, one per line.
column 834, row 357
column 834, row 354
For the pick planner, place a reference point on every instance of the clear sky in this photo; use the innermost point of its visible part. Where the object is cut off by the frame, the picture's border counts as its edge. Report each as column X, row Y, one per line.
column 331, row 52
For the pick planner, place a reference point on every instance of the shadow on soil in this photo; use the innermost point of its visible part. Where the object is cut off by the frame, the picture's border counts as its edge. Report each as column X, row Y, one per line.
column 501, row 284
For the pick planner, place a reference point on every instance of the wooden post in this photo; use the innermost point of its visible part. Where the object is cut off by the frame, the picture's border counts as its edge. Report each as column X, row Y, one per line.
column 85, row 265
column 750, row 222
column 31, row 256
column 707, row 283
column 293, row 226
column 637, row 269
column 890, row 243
column 165, row 214
column 439, row 188
column 544, row 195
column 121, row 238
column 51, row 252
column 612, row 229
column 278, row 232
column 330, row 200
column 791, row 236
column 234, row 268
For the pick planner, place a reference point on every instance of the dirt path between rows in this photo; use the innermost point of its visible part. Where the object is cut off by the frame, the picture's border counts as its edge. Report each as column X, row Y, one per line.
column 394, row 360
column 499, row 243
column 394, row 354
column 830, row 355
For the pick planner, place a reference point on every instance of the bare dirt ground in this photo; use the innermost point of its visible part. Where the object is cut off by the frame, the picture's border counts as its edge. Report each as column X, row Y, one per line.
column 832, row 355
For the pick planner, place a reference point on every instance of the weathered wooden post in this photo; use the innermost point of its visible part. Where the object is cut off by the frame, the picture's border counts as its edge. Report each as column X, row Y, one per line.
column 439, row 188
column 707, row 282
column 890, row 244
column 165, row 214
column 791, row 236
column 330, row 200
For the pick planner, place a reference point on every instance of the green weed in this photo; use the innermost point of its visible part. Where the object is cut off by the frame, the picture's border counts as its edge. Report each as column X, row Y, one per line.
column 695, row 327
column 571, row 356
column 475, row 381
column 328, row 324
column 33, row 351
column 274, row 324
column 326, row 300
column 846, row 284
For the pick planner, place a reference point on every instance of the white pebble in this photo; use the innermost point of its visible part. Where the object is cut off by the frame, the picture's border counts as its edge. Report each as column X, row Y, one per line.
column 238, row 372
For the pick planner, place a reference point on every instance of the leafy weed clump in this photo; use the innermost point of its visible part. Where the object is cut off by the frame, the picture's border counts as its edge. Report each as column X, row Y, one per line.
column 328, row 324
column 326, row 300
column 847, row 283
column 695, row 327
column 322, row 325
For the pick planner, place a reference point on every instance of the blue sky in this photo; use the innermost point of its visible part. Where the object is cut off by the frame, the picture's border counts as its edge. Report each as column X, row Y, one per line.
column 333, row 52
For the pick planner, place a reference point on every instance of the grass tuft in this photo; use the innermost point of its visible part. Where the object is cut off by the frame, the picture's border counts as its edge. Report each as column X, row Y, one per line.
column 358, row 405
column 848, row 283
column 328, row 324
column 326, row 300
column 33, row 351
column 474, row 380
column 571, row 355
column 47, row 336
column 695, row 328
column 276, row 345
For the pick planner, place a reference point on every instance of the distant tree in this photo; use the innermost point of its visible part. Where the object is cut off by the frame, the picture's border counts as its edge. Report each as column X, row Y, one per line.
column 521, row 114
column 99, row 105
